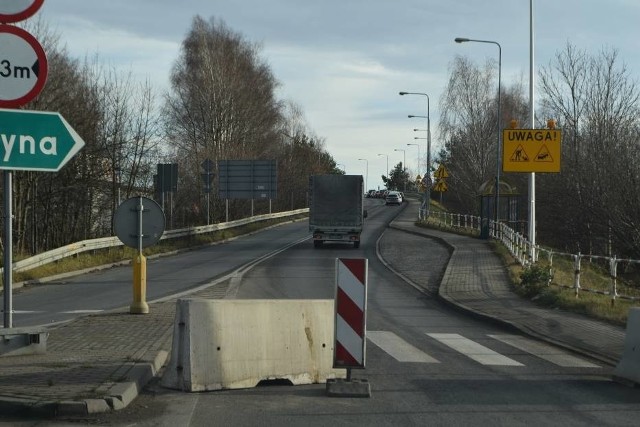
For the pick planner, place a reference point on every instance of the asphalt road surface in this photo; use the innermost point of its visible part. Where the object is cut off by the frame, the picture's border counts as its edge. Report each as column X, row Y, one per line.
column 427, row 364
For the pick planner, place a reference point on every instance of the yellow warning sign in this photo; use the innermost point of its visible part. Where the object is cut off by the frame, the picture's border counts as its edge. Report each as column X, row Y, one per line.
column 441, row 172
column 531, row 150
column 519, row 155
column 544, row 155
column 440, row 186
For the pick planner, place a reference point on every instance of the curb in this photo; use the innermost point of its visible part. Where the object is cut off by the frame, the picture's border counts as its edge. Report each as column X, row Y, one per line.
column 442, row 296
column 119, row 396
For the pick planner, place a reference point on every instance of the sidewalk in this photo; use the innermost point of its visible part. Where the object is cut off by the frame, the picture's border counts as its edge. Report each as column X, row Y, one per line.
column 476, row 281
column 101, row 362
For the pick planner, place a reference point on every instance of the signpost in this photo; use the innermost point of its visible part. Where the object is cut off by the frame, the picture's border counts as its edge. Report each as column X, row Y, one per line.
column 441, row 185
column 29, row 140
column 207, row 177
column 139, row 222
column 531, row 150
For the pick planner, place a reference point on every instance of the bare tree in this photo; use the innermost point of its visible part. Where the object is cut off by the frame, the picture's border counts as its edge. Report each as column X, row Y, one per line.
column 468, row 127
column 596, row 104
column 222, row 103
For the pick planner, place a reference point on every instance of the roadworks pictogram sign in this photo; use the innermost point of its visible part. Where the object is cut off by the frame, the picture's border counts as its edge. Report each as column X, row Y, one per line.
column 441, row 186
column 531, row 150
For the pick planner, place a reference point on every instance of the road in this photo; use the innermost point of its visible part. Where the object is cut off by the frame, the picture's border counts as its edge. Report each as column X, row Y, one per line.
column 168, row 275
column 427, row 363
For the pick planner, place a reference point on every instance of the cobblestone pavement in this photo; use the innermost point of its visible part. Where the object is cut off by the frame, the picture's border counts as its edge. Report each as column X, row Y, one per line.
column 98, row 363
column 476, row 281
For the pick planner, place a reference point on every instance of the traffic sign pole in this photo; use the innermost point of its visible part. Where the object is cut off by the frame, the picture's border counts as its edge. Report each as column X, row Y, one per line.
column 139, row 304
column 8, row 256
column 25, row 66
column 139, row 222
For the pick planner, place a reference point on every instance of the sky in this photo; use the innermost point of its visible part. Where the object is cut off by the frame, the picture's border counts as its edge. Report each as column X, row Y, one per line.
column 344, row 61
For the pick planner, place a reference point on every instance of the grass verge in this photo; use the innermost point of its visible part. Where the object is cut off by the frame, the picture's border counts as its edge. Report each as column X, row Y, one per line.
column 553, row 287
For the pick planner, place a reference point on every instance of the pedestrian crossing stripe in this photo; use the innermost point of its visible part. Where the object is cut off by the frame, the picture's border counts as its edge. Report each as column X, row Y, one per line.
column 546, row 352
column 398, row 348
column 475, row 351
column 402, row 351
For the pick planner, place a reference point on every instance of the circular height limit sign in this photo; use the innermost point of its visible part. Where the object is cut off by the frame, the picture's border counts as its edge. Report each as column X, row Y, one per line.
column 18, row 10
column 23, row 67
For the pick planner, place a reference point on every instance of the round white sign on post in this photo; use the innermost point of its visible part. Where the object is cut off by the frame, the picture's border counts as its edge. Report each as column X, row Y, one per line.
column 18, row 10
column 23, row 67
column 127, row 221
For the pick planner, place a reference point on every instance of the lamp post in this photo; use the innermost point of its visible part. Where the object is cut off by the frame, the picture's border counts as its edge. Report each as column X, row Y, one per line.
column 497, row 185
column 427, row 193
column 417, row 145
column 366, row 180
column 404, row 167
column 387, row 172
column 532, row 123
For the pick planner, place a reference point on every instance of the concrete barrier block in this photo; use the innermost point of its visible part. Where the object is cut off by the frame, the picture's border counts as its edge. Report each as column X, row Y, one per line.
column 628, row 368
column 228, row 344
column 23, row 341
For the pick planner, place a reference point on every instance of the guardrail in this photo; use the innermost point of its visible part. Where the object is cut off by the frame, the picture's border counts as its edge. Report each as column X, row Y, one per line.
column 108, row 242
column 527, row 254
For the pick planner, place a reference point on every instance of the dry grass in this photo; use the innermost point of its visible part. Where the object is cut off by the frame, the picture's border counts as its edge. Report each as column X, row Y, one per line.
column 591, row 299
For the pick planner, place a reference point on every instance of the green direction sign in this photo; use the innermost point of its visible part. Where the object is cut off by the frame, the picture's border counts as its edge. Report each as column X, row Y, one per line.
column 36, row 140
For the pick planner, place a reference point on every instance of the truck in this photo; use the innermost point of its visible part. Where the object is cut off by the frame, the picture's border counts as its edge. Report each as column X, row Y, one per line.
column 336, row 211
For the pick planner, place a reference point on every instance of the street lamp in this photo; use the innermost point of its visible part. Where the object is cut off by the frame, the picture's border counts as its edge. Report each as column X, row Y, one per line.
column 387, row 172
column 497, row 185
column 427, row 193
column 417, row 145
column 366, row 180
column 404, row 166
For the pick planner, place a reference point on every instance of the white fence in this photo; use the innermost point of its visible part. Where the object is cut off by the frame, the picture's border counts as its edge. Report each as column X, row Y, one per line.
column 526, row 254
column 107, row 242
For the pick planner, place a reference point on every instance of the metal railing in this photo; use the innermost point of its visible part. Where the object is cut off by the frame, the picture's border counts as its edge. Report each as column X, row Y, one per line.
column 527, row 254
column 108, row 242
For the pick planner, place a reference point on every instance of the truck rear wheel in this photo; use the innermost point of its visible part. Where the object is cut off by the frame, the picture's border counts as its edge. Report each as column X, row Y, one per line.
column 317, row 243
column 356, row 244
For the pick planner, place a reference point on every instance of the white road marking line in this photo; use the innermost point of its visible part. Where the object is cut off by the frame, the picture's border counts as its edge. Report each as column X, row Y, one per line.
column 59, row 312
column 398, row 348
column 475, row 351
column 81, row 311
column 544, row 351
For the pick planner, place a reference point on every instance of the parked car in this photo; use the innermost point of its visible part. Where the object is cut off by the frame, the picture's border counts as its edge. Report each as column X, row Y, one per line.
column 393, row 198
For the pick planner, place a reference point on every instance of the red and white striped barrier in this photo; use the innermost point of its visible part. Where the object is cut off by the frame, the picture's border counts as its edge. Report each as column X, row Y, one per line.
column 351, row 313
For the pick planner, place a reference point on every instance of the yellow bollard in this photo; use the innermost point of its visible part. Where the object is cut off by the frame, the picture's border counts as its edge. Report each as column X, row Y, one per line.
column 139, row 304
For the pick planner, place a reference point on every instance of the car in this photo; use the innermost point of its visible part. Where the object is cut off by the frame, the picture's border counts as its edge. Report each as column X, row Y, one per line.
column 393, row 198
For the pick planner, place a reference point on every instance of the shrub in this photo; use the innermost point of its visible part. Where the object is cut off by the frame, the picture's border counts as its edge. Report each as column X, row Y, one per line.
column 534, row 279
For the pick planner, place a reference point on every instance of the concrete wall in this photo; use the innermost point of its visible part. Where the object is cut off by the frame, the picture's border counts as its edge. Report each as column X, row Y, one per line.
column 228, row 344
column 628, row 368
